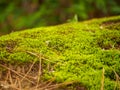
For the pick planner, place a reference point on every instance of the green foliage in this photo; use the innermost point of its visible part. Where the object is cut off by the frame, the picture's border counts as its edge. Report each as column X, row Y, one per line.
column 73, row 51
column 75, row 19
column 20, row 14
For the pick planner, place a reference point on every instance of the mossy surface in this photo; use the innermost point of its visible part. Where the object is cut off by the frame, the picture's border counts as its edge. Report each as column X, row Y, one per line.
column 73, row 51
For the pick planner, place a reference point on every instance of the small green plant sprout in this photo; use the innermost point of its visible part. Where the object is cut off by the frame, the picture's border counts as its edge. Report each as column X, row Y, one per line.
column 74, row 19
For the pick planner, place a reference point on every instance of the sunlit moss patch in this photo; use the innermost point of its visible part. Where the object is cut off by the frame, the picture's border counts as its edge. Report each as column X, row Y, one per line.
column 77, row 51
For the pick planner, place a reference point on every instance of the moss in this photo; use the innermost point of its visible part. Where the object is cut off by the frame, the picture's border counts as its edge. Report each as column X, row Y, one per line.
column 74, row 51
column 112, row 24
column 109, row 40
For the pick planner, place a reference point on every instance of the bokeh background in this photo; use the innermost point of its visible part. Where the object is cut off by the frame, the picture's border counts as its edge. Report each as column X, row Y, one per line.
column 24, row 14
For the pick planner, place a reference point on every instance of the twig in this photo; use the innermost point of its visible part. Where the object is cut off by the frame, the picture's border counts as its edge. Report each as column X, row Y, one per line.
column 46, row 85
column 14, row 88
column 39, row 71
column 15, row 83
column 38, row 55
column 117, row 79
column 28, row 71
column 16, row 73
column 19, row 83
column 10, row 78
column 59, row 85
column 7, row 76
column 28, row 76
column 117, row 76
column 102, row 81
column 8, row 86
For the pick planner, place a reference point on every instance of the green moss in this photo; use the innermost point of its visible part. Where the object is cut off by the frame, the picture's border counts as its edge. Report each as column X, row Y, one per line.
column 74, row 51
column 109, row 40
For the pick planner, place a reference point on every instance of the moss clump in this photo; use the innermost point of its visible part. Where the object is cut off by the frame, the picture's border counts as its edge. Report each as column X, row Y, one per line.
column 73, row 51
column 109, row 40
column 112, row 24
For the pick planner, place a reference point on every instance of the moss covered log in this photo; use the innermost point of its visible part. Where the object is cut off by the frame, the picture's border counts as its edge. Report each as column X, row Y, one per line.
column 77, row 51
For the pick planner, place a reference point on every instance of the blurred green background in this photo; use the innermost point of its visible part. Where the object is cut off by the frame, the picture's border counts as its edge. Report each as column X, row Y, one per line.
column 23, row 14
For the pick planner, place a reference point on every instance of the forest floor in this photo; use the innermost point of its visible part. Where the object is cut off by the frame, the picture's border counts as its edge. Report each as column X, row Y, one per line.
column 73, row 56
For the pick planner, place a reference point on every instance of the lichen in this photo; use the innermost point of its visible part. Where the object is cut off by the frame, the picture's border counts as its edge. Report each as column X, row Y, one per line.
column 73, row 51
